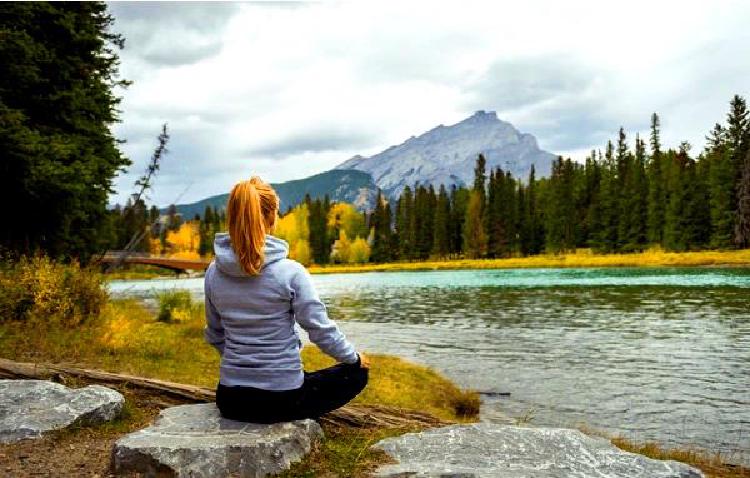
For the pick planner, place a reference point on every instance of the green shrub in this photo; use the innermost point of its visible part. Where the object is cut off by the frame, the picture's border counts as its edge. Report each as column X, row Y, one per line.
column 40, row 288
column 174, row 305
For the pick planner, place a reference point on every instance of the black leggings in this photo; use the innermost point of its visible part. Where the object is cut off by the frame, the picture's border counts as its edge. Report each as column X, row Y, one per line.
column 321, row 392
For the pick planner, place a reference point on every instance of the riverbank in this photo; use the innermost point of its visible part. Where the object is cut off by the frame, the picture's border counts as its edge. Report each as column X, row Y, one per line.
column 580, row 258
column 128, row 338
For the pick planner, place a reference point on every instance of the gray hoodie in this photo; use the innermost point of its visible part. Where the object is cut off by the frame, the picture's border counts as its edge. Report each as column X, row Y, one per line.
column 250, row 319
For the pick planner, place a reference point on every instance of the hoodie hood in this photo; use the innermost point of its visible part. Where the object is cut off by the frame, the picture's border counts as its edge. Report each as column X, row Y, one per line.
column 274, row 250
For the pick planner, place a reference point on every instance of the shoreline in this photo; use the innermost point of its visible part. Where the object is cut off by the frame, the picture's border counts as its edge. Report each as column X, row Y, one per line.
column 735, row 259
column 581, row 259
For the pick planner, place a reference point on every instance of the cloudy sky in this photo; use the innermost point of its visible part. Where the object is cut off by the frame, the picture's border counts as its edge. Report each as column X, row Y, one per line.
column 286, row 90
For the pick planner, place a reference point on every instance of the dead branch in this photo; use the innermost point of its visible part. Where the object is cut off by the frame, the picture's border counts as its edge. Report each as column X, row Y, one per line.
column 355, row 416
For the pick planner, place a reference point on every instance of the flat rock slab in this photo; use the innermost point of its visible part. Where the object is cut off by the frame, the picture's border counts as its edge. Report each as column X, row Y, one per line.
column 500, row 451
column 194, row 441
column 30, row 408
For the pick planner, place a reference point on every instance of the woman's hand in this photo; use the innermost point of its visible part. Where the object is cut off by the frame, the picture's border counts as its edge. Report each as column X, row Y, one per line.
column 364, row 361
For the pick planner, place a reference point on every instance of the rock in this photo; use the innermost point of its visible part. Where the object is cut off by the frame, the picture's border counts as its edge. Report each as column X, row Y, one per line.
column 29, row 408
column 194, row 441
column 447, row 155
column 489, row 450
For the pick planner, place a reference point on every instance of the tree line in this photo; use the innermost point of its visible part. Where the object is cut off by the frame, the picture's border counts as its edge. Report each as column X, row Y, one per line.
column 625, row 199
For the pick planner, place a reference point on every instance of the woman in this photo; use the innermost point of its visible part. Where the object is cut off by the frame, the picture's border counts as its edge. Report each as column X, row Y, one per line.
column 254, row 295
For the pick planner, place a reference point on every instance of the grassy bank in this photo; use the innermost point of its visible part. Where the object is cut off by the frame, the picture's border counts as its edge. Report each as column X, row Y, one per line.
column 128, row 338
column 713, row 465
column 580, row 258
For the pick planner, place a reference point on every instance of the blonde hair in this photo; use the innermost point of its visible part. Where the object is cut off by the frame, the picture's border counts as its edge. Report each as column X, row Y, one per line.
column 251, row 213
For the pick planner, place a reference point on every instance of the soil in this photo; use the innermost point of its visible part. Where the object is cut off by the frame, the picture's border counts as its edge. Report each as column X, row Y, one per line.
column 76, row 452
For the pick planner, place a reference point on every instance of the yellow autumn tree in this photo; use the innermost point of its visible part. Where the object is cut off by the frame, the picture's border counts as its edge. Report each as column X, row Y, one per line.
column 341, row 249
column 294, row 229
column 345, row 217
column 359, row 252
column 183, row 243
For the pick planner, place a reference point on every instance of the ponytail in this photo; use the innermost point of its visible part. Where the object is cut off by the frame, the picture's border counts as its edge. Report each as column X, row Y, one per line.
column 251, row 212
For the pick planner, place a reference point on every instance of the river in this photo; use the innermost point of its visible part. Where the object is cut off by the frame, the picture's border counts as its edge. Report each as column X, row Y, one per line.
column 653, row 354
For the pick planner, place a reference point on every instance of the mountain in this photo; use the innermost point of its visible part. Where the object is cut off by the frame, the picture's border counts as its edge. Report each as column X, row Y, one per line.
column 343, row 185
column 446, row 155
column 443, row 155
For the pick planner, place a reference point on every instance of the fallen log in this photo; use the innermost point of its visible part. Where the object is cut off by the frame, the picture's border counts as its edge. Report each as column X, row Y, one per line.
column 357, row 416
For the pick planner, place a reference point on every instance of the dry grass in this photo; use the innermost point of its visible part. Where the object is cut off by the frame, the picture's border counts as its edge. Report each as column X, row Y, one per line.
column 580, row 258
column 713, row 465
column 128, row 338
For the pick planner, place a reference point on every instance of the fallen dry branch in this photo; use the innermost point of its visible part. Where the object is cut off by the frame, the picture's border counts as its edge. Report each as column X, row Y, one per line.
column 165, row 393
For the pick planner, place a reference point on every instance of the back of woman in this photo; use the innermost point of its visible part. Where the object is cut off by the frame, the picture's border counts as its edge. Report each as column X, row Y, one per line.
column 254, row 296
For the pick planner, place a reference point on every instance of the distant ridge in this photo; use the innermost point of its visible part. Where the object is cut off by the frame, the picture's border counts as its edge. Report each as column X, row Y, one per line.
column 446, row 155
column 343, row 185
column 443, row 155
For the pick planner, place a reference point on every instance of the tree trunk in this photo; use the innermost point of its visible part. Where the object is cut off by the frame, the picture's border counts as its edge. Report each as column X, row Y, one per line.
column 163, row 394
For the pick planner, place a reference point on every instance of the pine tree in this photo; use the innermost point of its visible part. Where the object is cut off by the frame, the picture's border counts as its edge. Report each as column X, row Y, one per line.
column 480, row 188
column 721, row 179
column 592, row 217
column 535, row 221
column 510, row 201
column 633, row 224
column 606, row 238
column 738, row 144
column 381, row 230
column 623, row 161
column 480, row 178
column 475, row 240
column 686, row 216
column 698, row 210
column 494, row 223
column 205, row 244
column 57, row 104
column 317, row 225
column 459, row 204
column 742, row 225
column 441, row 234
column 560, row 217
column 405, row 224
column 656, row 184
column 737, row 126
column 523, row 220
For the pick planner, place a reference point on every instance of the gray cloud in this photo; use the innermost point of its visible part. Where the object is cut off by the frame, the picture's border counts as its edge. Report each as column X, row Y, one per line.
column 317, row 139
column 172, row 33
column 521, row 82
column 292, row 89
column 556, row 98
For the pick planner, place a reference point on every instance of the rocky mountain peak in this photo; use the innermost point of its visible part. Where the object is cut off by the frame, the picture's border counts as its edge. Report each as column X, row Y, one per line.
column 446, row 154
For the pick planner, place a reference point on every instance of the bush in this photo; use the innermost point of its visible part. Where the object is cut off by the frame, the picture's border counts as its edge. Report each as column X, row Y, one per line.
column 174, row 305
column 359, row 251
column 39, row 288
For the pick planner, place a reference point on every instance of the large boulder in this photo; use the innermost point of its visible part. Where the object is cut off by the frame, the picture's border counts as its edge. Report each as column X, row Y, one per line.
column 29, row 408
column 194, row 441
column 486, row 450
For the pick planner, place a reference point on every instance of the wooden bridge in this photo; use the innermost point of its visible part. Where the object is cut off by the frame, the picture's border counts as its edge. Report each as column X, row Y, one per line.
column 171, row 263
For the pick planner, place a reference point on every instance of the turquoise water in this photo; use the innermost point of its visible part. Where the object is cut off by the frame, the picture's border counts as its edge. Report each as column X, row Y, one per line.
column 655, row 354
